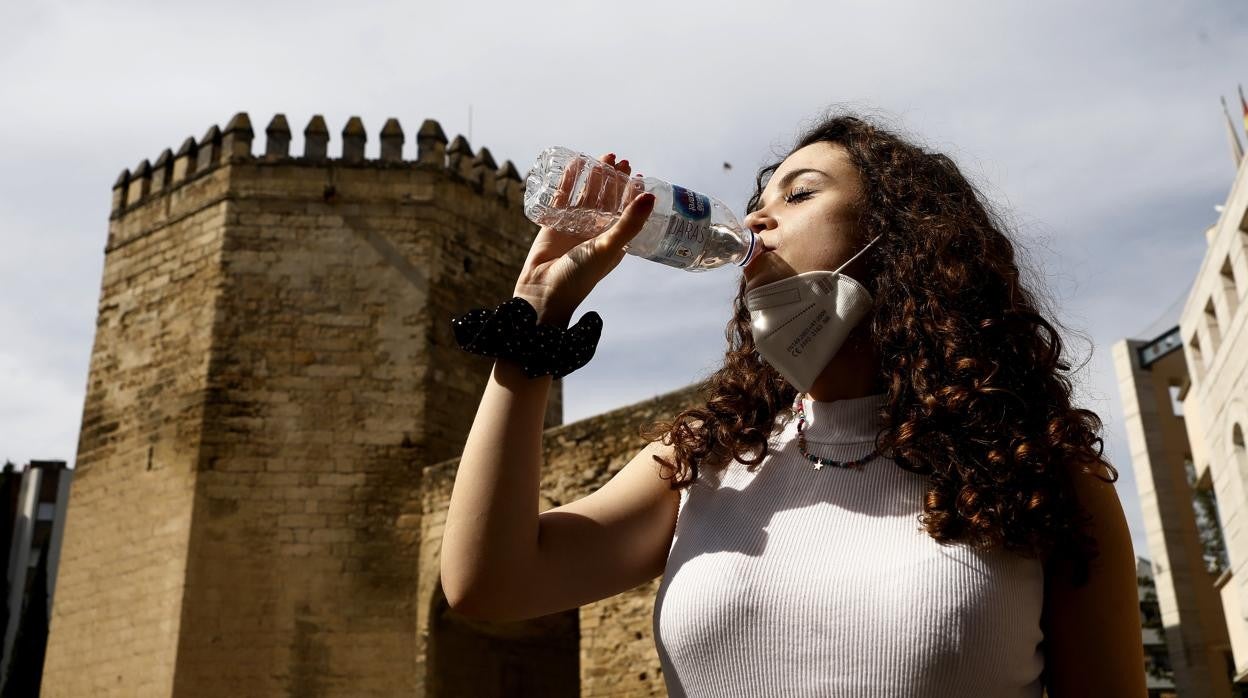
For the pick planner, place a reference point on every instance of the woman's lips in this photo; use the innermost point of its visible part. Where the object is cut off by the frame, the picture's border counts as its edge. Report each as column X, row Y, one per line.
column 757, row 255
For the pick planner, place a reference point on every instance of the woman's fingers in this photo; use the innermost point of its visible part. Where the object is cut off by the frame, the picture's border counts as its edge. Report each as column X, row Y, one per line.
column 566, row 183
column 613, row 192
column 588, row 196
column 632, row 189
column 626, row 228
column 605, row 187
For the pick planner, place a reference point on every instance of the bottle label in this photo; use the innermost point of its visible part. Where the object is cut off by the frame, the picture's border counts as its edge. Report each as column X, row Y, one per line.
column 687, row 230
column 691, row 204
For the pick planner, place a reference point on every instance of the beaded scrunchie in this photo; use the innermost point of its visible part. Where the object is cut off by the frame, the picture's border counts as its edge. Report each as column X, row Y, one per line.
column 511, row 331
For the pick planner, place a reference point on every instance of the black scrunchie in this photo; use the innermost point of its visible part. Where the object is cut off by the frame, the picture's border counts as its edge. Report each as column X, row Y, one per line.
column 511, row 331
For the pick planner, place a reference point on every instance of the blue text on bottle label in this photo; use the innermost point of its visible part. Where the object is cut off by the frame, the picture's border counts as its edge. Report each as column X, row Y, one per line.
column 691, row 204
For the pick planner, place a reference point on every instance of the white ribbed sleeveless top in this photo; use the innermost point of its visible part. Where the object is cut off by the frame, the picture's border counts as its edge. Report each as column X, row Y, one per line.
column 791, row 581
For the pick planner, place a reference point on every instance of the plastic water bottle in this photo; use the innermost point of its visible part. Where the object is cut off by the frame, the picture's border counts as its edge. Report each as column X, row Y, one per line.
column 576, row 193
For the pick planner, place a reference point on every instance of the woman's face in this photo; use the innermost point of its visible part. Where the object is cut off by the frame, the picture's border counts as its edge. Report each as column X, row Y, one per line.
column 807, row 215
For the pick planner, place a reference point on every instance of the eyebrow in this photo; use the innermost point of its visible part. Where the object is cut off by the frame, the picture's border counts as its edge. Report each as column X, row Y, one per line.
column 788, row 178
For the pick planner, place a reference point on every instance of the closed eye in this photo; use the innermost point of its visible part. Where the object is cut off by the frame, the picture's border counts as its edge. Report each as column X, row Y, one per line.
column 798, row 195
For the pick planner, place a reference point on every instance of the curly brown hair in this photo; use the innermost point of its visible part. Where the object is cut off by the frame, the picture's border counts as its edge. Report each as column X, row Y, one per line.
column 977, row 396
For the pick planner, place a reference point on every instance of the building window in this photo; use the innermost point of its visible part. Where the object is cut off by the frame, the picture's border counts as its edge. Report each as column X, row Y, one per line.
column 1239, row 456
column 1208, row 523
column 1197, row 363
column 1211, row 321
column 1150, row 610
column 1176, row 405
column 1157, row 663
column 1229, row 287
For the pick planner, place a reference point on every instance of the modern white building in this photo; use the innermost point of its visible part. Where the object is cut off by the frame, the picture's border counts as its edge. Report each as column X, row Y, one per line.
column 1185, row 402
column 1216, row 403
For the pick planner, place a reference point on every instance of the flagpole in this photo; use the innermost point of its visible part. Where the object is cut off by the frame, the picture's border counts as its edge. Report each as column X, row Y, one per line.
column 1244, row 103
column 1237, row 150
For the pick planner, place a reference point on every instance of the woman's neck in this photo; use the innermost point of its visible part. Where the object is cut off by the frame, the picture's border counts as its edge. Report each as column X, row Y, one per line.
column 854, row 372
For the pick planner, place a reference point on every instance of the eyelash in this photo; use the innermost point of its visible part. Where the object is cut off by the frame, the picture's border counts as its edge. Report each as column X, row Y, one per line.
column 797, row 195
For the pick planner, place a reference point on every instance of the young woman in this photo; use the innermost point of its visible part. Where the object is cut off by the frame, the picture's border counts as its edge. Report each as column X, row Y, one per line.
column 887, row 491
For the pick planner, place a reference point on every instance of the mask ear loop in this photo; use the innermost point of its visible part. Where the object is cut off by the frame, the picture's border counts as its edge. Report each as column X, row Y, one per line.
column 827, row 284
column 864, row 249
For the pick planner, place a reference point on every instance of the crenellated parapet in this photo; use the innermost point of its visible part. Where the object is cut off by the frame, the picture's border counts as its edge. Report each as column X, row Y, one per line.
column 218, row 148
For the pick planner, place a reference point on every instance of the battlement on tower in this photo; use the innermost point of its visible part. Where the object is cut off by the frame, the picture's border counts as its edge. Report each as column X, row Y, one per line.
column 218, row 148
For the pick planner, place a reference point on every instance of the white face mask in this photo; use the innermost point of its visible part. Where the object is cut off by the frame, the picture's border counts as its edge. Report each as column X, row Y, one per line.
column 799, row 323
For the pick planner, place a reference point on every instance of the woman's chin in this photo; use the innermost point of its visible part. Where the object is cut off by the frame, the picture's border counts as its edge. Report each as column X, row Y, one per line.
column 761, row 271
column 756, row 270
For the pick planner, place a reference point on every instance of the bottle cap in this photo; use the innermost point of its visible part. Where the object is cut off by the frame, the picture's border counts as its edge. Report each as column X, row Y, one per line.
column 749, row 254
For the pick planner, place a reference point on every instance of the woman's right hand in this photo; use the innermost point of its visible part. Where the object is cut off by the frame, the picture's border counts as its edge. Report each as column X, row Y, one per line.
column 563, row 268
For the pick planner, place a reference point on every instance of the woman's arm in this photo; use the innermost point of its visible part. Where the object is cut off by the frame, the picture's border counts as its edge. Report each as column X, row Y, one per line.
column 1092, row 637
column 491, row 530
column 491, row 522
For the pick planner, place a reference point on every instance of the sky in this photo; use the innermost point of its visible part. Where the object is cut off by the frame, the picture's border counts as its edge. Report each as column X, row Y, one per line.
column 1094, row 128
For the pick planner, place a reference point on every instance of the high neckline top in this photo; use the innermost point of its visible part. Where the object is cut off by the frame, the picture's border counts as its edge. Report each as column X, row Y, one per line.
column 789, row 580
column 845, row 421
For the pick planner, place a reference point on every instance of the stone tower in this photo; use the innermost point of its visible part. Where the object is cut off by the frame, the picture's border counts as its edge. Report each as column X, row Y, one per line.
column 273, row 368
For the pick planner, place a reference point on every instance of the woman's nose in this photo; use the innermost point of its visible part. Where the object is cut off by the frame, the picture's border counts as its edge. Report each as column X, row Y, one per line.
column 757, row 221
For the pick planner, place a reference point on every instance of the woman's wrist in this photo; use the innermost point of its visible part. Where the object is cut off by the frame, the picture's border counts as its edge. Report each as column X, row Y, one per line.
column 541, row 344
column 509, row 372
column 547, row 312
